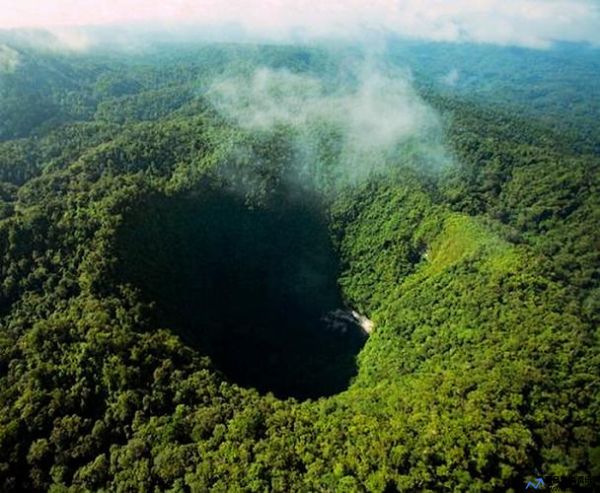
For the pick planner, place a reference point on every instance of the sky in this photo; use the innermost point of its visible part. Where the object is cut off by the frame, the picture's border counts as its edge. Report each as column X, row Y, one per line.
column 531, row 23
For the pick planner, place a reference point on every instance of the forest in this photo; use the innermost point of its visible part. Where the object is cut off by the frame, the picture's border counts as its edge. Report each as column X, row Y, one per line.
column 192, row 237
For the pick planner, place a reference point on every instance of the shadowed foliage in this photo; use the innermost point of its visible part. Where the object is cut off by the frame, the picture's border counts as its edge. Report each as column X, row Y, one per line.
column 248, row 286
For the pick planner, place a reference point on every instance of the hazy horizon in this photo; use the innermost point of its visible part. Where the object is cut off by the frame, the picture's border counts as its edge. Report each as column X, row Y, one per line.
column 528, row 23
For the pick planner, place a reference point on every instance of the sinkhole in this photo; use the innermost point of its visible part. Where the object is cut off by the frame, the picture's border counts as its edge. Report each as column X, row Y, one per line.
column 252, row 287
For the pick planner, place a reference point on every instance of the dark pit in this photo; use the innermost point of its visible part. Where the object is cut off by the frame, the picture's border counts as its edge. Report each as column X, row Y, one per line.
column 250, row 286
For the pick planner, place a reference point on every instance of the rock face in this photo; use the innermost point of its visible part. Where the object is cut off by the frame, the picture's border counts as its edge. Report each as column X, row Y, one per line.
column 343, row 320
column 366, row 325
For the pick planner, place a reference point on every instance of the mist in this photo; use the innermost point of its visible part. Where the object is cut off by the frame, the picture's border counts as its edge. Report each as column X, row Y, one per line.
column 9, row 59
column 451, row 78
column 351, row 126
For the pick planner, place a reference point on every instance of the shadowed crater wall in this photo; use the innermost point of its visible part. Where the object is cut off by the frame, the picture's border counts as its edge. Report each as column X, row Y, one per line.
column 248, row 286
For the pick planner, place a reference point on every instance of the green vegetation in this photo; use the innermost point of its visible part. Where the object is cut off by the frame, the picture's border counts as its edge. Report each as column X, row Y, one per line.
column 166, row 272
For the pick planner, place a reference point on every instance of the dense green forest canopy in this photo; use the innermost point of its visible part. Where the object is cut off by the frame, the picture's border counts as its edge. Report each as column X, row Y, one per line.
column 186, row 230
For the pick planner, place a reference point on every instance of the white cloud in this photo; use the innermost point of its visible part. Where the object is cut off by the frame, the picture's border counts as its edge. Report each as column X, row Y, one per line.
column 535, row 23
column 372, row 117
